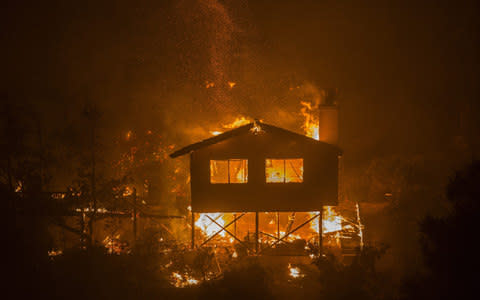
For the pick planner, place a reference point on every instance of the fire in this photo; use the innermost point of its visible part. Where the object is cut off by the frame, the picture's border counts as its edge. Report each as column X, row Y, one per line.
column 232, row 84
column 216, row 132
column 294, row 272
column 19, row 187
column 128, row 191
column 181, row 281
column 54, row 252
column 334, row 224
column 332, row 221
column 240, row 121
column 207, row 226
column 310, row 125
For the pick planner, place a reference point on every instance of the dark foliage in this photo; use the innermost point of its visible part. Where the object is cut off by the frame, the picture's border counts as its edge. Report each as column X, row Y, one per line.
column 448, row 243
column 245, row 281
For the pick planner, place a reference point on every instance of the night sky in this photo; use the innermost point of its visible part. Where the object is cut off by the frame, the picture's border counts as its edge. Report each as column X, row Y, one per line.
column 408, row 71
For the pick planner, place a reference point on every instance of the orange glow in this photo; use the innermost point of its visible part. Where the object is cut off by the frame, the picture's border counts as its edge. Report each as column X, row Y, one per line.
column 240, row 121
column 181, row 281
column 207, row 226
column 229, row 171
column 310, row 126
column 294, row 272
column 128, row 136
column 284, row 170
column 216, row 132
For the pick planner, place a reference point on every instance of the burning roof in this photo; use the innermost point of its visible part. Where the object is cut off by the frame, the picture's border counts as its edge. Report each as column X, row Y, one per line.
column 256, row 127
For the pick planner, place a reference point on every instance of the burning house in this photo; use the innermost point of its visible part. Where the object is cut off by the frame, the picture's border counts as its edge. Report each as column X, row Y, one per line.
column 260, row 168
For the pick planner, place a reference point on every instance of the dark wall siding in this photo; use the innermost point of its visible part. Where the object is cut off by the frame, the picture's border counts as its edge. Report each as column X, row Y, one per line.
column 318, row 188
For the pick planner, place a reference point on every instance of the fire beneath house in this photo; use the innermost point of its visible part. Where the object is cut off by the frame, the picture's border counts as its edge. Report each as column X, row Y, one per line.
column 341, row 230
column 229, row 235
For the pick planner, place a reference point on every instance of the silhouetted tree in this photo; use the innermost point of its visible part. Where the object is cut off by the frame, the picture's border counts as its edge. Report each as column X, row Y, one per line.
column 448, row 243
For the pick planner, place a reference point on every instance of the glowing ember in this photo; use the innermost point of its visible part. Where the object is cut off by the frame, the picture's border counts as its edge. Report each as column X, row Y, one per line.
column 128, row 136
column 54, row 252
column 181, row 281
column 19, row 187
column 128, row 191
column 294, row 272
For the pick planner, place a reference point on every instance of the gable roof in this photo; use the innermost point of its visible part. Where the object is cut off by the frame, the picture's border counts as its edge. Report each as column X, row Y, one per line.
column 246, row 129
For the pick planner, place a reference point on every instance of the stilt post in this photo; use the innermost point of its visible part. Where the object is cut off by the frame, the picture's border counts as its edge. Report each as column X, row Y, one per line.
column 320, row 232
column 256, row 233
column 134, row 216
column 193, row 230
column 278, row 225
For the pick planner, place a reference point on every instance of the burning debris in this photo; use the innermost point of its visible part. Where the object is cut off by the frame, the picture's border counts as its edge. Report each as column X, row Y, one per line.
column 294, row 272
column 181, row 281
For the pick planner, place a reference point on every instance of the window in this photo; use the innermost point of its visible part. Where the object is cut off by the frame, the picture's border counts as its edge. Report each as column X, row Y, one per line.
column 284, row 170
column 229, row 171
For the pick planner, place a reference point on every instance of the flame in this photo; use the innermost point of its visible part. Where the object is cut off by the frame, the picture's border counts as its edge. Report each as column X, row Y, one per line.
column 294, row 272
column 332, row 221
column 232, row 84
column 239, row 121
column 113, row 244
column 216, row 132
column 19, row 187
column 181, row 281
column 54, row 252
column 310, row 125
column 207, row 226
column 128, row 191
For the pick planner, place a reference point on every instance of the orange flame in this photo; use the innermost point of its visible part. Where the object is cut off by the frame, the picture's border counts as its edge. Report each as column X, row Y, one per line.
column 310, row 125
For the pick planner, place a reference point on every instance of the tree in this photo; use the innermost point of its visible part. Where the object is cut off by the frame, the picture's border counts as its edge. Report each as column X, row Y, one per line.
column 450, row 257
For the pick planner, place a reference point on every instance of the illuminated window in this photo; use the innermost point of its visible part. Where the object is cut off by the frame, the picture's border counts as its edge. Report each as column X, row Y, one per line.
column 284, row 170
column 229, row 171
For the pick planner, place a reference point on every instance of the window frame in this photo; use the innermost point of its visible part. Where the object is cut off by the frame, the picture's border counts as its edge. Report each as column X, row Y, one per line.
column 284, row 171
column 245, row 176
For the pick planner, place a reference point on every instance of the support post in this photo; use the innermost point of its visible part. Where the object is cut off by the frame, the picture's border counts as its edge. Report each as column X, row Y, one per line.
column 134, row 217
column 193, row 230
column 320, row 232
column 278, row 225
column 235, row 224
column 256, row 233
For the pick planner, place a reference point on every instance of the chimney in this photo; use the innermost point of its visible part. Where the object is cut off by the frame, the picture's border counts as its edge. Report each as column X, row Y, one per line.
column 328, row 117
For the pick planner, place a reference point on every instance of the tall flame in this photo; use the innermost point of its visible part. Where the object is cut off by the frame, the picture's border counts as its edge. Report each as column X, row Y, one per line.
column 310, row 125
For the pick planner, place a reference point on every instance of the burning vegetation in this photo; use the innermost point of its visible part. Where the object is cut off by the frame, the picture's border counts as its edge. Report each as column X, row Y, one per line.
column 128, row 214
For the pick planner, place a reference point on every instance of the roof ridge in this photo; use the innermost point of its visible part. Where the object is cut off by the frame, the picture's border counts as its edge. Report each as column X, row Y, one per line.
column 237, row 131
